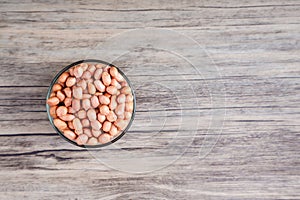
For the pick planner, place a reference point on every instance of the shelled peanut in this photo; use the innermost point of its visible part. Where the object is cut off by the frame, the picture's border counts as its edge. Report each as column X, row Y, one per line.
column 91, row 103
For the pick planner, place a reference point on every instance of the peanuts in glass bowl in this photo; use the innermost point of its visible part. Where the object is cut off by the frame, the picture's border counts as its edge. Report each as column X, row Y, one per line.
column 91, row 103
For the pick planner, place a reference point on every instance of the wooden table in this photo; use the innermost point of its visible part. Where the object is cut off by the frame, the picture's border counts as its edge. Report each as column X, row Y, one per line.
column 249, row 87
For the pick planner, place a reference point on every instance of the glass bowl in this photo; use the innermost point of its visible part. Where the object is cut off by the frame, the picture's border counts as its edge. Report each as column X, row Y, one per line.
column 94, row 61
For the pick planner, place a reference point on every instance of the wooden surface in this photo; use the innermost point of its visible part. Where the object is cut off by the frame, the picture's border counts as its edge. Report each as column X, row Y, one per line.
column 254, row 44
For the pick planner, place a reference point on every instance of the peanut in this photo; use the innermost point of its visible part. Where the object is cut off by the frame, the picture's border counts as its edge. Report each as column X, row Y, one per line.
column 70, row 81
column 61, row 125
column 106, row 126
column 85, row 123
column 53, row 101
column 104, row 110
column 96, row 125
column 97, row 74
column 67, row 117
column 126, row 90
column 81, row 114
column 76, row 104
column 86, row 104
column 69, row 134
column 91, row 88
column 68, row 101
column 95, row 102
column 61, row 110
column 96, row 133
column 111, row 116
column 106, row 78
column 60, row 95
column 56, row 87
column 78, row 71
column 82, row 139
column 104, row 138
column 99, row 85
column 92, row 141
column 77, row 92
column 113, row 130
column 63, row 77
column 68, row 92
column 77, row 124
column 111, row 90
column 91, row 114
column 121, row 98
column 104, row 100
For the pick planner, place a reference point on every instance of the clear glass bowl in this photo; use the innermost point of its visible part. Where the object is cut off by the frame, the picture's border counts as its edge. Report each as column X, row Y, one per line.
column 55, row 81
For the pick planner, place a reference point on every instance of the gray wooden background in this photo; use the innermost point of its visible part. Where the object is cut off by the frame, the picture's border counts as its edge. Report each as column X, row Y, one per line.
column 256, row 48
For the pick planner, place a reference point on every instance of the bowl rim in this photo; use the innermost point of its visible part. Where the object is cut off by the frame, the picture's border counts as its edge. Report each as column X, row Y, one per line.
column 54, row 80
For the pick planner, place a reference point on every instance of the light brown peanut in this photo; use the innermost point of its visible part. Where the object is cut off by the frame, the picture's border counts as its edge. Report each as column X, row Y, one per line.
column 85, row 123
column 61, row 125
column 106, row 126
column 115, row 83
column 78, row 71
column 81, row 114
column 77, row 124
column 91, row 114
column 67, row 117
column 96, row 125
column 61, row 110
column 68, row 101
column 63, row 77
column 101, row 118
column 113, row 71
column 99, row 86
column 129, row 106
column 60, row 95
column 104, row 110
column 52, row 111
column 129, row 98
column 121, row 98
column 82, row 139
column 113, row 102
column 69, row 134
column 68, row 92
column 77, row 92
column 86, row 75
column 104, row 100
column 104, row 138
column 70, row 125
column 76, row 104
column 126, row 90
column 111, row 116
column 87, row 132
column 70, row 81
column 113, row 130
column 53, row 101
column 56, row 87
column 92, row 68
column 91, row 88
column 112, row 90
column 98, row 73
column 106, row 78
column 120, row 109
column 121, row 124
column 86, row 104
column 95, row 101
column 92, row 141
column 96, row 133
column 82, row 83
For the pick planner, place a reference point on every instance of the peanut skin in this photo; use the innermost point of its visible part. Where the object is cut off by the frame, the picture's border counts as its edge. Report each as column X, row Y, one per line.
column 53, row 101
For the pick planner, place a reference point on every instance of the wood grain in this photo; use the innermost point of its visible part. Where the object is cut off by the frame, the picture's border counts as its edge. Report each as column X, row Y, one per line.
column 254, row 44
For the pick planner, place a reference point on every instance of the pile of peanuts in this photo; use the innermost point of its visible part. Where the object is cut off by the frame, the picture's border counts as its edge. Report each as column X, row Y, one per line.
column 91, row 103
